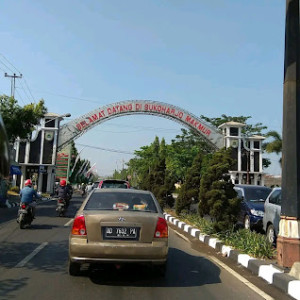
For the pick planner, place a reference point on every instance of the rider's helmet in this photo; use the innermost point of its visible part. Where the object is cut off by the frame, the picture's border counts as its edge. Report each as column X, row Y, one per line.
column 63, row 182
column 28, row 182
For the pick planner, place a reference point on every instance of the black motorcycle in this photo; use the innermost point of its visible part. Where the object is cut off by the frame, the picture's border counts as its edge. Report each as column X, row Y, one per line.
column 25, row 215
column 61, row 207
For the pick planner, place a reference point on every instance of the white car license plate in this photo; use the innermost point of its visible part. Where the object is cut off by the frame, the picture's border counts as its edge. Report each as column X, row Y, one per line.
column 120, row 232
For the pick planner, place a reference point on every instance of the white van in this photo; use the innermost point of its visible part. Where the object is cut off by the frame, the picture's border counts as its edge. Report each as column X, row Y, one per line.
column 272, row 215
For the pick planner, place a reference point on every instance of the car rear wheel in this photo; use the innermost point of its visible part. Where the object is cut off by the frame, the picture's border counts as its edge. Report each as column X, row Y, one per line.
column 271, row 236
column 161, row 269
column 74, row 268
column 247, row 222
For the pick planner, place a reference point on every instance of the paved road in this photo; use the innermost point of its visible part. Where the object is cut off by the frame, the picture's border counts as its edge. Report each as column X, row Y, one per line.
column 192, row 272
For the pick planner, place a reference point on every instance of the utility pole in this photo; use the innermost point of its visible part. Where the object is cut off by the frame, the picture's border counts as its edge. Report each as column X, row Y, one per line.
column 288, row 242
column 13, row 83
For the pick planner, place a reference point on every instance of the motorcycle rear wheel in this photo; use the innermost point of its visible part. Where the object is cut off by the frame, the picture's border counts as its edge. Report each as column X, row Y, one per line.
column 22, row 223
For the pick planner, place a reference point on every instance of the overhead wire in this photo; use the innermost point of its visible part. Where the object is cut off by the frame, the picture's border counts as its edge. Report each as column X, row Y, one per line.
column 29, row 90
column 69, row 97
column 24, row 91
column 106, row 149
column 10, row 64
column 6, row 66
column 2, row 69
column 26, row 84
column 20, row 97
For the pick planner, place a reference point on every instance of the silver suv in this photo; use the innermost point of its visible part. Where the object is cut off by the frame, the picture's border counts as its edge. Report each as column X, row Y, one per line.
column 272, row 215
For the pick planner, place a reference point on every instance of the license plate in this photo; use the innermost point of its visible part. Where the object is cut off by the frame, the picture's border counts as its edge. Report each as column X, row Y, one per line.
column 120, row 233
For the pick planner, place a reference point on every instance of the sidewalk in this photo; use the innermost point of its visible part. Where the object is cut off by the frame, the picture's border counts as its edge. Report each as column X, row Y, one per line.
column 270, row 272
column 11, row 201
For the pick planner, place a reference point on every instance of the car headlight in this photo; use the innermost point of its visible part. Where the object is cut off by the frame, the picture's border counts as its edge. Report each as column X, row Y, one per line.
column 257, row 213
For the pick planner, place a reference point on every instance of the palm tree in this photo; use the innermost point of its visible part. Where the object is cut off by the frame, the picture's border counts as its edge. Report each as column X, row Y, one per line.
column 274, row 146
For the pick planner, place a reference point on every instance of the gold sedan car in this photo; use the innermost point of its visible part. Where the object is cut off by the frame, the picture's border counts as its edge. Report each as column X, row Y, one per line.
column 119, row 226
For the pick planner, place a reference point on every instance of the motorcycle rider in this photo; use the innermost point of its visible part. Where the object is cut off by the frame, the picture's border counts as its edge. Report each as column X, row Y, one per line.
column 63, row 192
column 83, row 189
column 69, row 185
column 28, row 196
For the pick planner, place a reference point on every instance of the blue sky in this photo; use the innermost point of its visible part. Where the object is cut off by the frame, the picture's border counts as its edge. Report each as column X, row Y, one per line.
column 210, row 57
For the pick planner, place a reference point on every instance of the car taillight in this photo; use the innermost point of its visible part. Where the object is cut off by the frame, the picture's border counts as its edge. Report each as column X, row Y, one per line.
column 161, row 230
column 79, row 226
column 23, row 206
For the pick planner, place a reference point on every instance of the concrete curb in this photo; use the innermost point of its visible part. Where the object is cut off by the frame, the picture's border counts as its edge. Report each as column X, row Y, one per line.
column 268, row 272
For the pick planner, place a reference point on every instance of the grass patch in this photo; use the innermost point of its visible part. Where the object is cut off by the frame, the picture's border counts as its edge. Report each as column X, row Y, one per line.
column 248, row 242
column 245, row 241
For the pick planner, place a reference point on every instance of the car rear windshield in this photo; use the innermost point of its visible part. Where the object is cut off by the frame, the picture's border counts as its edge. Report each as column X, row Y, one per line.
column 121, row 201
column 257, row 194
column 114, row 185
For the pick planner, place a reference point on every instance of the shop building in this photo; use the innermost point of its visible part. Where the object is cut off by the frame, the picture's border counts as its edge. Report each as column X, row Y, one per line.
column 37, row 156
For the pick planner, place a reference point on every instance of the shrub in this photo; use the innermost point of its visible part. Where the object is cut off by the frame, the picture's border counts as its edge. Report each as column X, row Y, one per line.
column 246, row 241
column 252, row 243
column 217, row 196
column 190, row 189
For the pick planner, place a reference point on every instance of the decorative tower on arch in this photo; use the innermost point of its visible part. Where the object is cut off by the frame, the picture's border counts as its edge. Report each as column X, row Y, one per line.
column 247, row 152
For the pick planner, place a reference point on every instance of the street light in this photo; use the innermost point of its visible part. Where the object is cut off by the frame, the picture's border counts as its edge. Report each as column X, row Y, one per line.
column 67, row 115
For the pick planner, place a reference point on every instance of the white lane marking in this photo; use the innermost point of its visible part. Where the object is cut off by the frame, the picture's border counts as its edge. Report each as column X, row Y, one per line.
column 232, row 272
column 242, row 279
column 31, row 255
column 181, row 235
column 68, row 223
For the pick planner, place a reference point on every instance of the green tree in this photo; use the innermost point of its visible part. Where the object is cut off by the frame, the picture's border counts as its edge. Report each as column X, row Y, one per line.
column 247, row 130
column 217, row 196
column 20, row 121
column 182, row 151
column 162, row 184
column 275, row 146
column 141, row 166
column 189, row 191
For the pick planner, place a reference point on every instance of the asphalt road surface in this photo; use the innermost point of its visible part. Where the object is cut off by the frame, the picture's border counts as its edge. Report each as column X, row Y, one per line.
column 33, row 265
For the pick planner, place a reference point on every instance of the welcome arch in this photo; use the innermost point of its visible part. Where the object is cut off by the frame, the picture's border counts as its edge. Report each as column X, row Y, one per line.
column 79, row 126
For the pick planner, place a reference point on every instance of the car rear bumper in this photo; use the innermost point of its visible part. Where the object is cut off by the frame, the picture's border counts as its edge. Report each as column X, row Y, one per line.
column 82, row 251
column 115, row 261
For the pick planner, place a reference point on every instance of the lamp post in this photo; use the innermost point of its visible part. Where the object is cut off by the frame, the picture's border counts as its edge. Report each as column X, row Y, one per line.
column 67, row 115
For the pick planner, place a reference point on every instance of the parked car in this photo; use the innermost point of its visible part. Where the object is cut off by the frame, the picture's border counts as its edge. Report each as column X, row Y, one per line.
column 252, row 205
column 96, row 184
column 113, row 183
column 119, row 226
column 272, row 215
